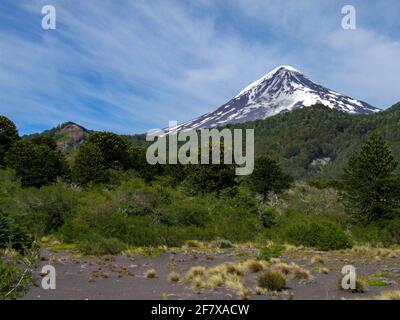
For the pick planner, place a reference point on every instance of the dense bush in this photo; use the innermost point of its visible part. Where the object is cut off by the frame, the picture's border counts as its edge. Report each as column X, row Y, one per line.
column 36, row 163
column 47, row 208
column 113, row 148
column 142, row 215
column 98, row 245
column 8, row 136
column 188, row 212
column 268, row 217
column 10, row 275
column 89, row 165
column 13, row 234
column 322, row 235
column 272, row 251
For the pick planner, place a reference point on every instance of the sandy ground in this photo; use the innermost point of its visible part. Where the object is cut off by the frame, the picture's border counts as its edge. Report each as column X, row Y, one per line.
column 122, row 277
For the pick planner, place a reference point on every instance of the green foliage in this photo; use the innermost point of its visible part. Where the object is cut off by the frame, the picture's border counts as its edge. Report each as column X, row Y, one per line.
column 303, row 201
column 377, row 234
column 321, row 235
column 99, row 246
column 371, row 189
column 268, row 177
column 36, row 164
column 89, row 165
column 268, row 217
column 212, row 178
column 47, row 208
column 10, row 275
column 113, row 148
column 272, row 251
column 188, row 212
column 13, row 234
column 8, row 136
column 271, row 280
column 316, row 142
column 105, row 157
column 142, row 215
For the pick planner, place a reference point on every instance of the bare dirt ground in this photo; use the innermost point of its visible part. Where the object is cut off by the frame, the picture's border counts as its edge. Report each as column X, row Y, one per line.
column 123, row 277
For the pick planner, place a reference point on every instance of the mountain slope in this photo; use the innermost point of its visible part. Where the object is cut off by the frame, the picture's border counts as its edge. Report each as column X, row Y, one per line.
column 317, row 142
column 68, row 136
column 281, row 90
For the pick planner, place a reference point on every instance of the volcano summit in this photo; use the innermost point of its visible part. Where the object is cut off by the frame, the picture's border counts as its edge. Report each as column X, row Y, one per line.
column 281, row 90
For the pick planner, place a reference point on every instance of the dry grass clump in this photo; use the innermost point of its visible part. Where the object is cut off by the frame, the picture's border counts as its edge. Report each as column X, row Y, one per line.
column 271, row 280
column 151, row 274
column 228, row 269
column 234, row 282
column 227, row 274
column 231, row 268
column 389, row 295
column 174, row 276
column 244, row 293
column 195, row 272
column 215, row 281
column 317, row 259
column 376, row 253
column 198, row 282
column 254, row 266
column 260, row 291
column 292, row 270
column 323, row 270
column 193, row 244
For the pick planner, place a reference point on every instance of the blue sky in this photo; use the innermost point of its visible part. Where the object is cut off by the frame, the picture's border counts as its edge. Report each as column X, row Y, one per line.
column 130, row 66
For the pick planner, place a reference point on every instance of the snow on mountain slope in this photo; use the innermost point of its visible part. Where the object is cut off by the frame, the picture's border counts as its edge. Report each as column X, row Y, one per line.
column 281, row 90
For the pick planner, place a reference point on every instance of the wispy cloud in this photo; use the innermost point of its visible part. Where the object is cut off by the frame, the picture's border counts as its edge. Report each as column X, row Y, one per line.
column 129, row 66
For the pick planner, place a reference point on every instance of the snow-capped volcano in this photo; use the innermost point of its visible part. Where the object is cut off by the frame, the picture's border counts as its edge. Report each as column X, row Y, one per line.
column 281, row 90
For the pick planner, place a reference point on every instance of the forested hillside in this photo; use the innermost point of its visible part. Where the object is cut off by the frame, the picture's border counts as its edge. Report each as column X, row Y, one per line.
column 316, row 142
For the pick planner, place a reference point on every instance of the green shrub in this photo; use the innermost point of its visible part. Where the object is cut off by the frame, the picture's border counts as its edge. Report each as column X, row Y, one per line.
column 47, row 208
column 10, row 275
column 8, row 137
column 272, row 251
column 8, row 183
column 13, row 234
column 377, row 234
column 271, row 280
column 183, row 213
column 139, row 214
column 136, row 198
column 99, row 246
column 268, row 217
column 393, row 228
column 36, row 164
column 323, row 235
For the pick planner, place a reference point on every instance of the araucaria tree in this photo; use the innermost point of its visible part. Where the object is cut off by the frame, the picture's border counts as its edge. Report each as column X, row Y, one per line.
column 37, row 162
column 268, row 177
column 371, row 189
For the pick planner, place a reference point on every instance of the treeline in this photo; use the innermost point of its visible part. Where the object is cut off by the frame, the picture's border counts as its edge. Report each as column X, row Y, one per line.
column 106, row 158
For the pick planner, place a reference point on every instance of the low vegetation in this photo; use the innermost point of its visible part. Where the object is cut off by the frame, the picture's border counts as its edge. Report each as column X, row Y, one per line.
column 271, row 280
